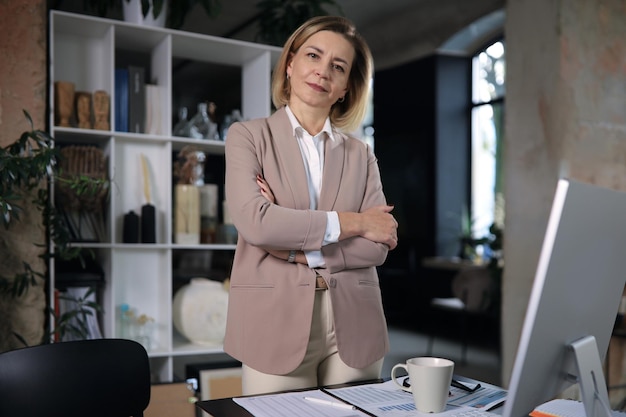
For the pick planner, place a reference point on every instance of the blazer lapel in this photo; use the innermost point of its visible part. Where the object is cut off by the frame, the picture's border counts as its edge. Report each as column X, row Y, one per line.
column 290, row 158
column 333, row 170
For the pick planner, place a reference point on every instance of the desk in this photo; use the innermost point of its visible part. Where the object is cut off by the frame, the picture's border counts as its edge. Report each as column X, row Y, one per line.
column 223, row 407
column 372, row 390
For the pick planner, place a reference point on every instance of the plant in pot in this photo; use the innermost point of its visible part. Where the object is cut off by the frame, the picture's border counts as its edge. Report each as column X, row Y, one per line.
column 277, row 19
column 176, row 10
column 26, row 168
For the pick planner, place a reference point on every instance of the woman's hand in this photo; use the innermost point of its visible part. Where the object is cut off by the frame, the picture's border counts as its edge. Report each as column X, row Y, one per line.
column 265, row 189
column 376, row 224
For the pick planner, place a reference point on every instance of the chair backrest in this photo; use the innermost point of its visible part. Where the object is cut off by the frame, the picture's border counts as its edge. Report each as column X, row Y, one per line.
column 95, row 378
column 474, row 287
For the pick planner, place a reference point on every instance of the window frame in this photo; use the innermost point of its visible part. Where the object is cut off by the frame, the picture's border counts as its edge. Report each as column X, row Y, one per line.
column 473, row 222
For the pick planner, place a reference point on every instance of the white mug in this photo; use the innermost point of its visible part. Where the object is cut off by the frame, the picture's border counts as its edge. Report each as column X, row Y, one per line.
column 429, row 379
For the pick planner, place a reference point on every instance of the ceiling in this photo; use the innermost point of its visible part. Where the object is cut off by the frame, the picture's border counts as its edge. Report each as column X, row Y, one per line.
column 397, row 31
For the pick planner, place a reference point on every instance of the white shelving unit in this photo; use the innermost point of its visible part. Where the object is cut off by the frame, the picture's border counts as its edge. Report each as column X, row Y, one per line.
column 83, row 50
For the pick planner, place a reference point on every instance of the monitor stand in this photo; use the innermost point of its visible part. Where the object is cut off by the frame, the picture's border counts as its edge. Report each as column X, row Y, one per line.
column 593, row 389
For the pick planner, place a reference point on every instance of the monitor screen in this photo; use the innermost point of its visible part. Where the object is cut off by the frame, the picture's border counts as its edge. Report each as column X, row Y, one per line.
column 578, row 285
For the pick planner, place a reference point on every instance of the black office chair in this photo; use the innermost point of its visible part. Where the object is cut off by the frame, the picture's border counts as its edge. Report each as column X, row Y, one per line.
column 95, row 378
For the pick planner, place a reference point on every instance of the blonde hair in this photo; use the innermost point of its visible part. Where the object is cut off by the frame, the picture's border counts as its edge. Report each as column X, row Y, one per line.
column 348, row 114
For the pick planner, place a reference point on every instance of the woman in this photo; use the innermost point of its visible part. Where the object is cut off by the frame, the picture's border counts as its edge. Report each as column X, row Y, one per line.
column 305, row 307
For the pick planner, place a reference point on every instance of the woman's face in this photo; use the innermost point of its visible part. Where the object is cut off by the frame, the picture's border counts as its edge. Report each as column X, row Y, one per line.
column 320, row 70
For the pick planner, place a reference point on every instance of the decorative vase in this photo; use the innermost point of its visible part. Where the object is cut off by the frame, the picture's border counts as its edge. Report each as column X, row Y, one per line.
column 133, row 14
column 187, row 214
column 199, row 311
column 208, row 213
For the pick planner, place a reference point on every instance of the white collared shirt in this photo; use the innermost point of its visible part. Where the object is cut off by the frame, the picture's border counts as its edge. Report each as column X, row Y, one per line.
column 312, row 150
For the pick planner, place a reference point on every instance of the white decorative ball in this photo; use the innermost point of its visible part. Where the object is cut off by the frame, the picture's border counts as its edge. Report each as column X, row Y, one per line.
column 199, row 311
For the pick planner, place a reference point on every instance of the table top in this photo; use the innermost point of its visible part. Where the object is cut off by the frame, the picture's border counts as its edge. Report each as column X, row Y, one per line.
column 223, row 407
column 226, row 407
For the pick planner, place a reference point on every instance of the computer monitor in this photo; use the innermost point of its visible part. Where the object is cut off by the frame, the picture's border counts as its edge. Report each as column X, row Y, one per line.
column 574, row 301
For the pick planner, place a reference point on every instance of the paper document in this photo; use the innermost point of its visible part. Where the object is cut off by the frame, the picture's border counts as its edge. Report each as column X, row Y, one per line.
column 383, row 399
column 486, row 397
column 292, row 404
column 386, row 399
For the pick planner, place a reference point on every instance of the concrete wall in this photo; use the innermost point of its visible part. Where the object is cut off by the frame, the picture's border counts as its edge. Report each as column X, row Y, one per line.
column 565, row 116
column 23, row 81
column 23, row 66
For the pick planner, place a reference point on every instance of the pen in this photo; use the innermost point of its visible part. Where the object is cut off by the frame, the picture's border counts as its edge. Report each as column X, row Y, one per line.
column 331, row 403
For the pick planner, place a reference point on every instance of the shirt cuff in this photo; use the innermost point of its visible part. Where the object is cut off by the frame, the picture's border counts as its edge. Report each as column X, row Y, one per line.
column 314, row 258
column 333, row 229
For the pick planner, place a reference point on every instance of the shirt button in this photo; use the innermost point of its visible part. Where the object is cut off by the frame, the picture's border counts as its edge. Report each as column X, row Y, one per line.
column 333, row 283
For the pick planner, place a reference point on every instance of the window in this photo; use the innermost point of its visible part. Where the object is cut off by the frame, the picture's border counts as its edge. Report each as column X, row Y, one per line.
column 487, row 127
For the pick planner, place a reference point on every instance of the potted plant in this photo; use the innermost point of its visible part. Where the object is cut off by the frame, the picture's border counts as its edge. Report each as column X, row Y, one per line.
column 279, row 18
column 176, row 10
column 26, row 166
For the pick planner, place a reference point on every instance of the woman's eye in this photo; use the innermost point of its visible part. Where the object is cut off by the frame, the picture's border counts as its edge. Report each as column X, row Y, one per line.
column 338, row 68
column 312, row 55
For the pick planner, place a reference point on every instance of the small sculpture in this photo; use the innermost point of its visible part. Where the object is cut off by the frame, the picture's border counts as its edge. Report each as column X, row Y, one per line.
column 63, row 102
column 203, row 125
column 83, row 109
column 101, row 108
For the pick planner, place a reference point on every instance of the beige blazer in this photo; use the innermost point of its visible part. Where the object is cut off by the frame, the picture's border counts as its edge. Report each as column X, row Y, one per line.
column 271, row 301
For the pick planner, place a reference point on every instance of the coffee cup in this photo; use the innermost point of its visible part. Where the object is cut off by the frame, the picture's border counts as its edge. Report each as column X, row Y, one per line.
column 429, row 382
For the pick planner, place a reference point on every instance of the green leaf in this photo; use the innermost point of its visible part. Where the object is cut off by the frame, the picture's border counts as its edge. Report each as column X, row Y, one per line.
column 212, row 7
column 145, row 7
column 157, row 7
column 26, row 165
column 279, row 19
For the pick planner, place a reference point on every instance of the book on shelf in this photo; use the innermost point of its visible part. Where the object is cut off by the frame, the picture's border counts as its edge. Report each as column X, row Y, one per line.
column 154, row 119
column 121, row 99
column 136, row 99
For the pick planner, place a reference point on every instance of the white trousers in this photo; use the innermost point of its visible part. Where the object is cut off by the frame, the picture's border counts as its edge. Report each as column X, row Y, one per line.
column 321, row 365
